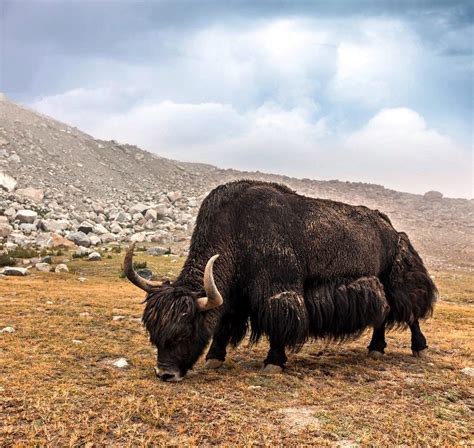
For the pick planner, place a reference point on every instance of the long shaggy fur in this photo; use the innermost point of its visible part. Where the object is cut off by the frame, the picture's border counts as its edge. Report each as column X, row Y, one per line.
column 283, row 318
column 410, row 291
column 344, row 310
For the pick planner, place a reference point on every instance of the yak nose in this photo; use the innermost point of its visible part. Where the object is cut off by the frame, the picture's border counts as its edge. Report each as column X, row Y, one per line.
column 167, row 375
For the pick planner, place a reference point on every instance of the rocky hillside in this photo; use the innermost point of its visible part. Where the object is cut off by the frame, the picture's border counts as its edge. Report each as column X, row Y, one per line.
column 59, row 185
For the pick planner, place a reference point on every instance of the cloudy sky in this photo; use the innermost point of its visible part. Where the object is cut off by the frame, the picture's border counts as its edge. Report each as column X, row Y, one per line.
column 370, row 91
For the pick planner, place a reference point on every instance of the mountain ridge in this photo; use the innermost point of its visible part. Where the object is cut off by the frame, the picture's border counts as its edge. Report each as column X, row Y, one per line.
column 76, row 170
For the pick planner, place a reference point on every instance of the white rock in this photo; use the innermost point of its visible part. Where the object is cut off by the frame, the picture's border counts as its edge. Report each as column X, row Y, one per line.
column 151, row 215
column 61, row 268
column 81, row 251
column 82, row 279
column 79, row 238
column 84, row 314
column 77, row 341
column 99, row 229
column 26, row 216
column 156, row 251
column 94, row 256
column 7, row 182
column 118, row 317
column 52, row 225
column 468, row 371
column 115, row 228
column 5, row 230
column 34, row 194
column 120, row 363
column 7, row 330
column 95, row 240
column 42, row 267
column 138, row 237
column 174, row 195
column 139, row 208
column 15, row 271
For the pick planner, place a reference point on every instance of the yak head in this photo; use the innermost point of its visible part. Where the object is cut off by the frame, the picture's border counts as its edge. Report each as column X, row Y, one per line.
column 175, row 318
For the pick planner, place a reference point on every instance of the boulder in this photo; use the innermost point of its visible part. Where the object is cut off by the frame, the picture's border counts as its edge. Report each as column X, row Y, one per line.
column 26, row 216
column 81, row 251
column 86, row 227
column 115, row 228
column 61, row 268
column 138, row 237
column 5, row 230
column 53, row 225
column 33, row 194
column 94, row 256
column 123, row 217
column 156, row 251
column 433, row 196
column 99, row 229
column 59, row 241
column 173, row 196
column 151, row 215
column 95, row 240
column 139, row 208
column 42, row 267
column 7, row 182
column 15, row 271
column 79, row 238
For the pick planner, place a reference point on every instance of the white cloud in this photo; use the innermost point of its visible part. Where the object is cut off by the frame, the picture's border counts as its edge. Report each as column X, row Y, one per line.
column 396, row 148
column 377, row 65
column 276, row 95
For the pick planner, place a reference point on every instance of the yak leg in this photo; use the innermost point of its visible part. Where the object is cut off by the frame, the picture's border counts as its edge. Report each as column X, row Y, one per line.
column 276, row 358
column 377, row 344
column 232, row 328
column 216, row 355
column 285, row 321
column 418, row 340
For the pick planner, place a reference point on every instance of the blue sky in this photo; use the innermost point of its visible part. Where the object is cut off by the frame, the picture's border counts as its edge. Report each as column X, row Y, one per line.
column 369, row 91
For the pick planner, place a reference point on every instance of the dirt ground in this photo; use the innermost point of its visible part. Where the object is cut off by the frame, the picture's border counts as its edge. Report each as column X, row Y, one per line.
column 59, row 386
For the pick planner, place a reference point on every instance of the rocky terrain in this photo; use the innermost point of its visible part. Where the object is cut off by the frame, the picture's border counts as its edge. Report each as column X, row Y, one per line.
column 61, row 187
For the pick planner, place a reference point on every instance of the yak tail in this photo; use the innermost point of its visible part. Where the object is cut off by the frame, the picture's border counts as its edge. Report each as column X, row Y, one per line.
column 410, row 291
column 343, row 309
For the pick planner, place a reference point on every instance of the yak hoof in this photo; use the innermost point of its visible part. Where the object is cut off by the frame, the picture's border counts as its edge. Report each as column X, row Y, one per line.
column 272, row 368
column 421, row 353
column 374, row 354
column 213, row 364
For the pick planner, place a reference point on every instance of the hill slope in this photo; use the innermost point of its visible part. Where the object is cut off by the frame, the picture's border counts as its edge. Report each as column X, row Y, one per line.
column 87, row 179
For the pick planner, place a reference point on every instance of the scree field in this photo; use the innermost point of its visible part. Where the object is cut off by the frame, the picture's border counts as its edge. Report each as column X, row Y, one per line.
column 59, row 385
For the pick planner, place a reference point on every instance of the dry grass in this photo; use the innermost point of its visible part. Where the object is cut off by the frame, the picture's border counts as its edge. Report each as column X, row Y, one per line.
column 56, row 392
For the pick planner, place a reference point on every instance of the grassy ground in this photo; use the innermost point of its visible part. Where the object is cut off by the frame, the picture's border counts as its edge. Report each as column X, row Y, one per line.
column 56, row 387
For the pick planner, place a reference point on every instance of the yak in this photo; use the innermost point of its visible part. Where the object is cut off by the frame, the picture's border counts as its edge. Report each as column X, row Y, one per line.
column 288, row 267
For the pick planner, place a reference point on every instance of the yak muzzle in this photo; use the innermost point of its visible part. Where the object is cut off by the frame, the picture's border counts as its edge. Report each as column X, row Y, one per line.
column 168, row 375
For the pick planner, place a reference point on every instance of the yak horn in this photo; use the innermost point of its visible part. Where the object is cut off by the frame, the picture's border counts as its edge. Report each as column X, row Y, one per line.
column 213, row 297
column 130, row 273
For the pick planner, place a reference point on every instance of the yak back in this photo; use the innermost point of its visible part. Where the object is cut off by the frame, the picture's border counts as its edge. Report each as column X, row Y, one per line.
column 268, row 228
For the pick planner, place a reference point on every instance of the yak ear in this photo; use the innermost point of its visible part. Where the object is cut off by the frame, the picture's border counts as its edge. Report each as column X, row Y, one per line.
column 213, row 297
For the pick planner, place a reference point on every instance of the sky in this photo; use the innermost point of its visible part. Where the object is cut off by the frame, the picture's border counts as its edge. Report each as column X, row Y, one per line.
column 366, row 91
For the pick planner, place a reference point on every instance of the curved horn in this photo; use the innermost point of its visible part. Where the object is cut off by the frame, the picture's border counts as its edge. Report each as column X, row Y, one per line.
column 130, row 273
column 213, row 297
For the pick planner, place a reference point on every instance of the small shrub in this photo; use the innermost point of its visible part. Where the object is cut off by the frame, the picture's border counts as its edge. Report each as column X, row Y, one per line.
column 22, row 252
column 6, row 260
column 76, row 255
column 139, row 265
column 136, row 266
column 116, row 249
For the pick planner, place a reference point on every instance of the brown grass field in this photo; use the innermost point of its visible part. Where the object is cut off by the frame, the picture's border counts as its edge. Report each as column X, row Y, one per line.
column 57, row 392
